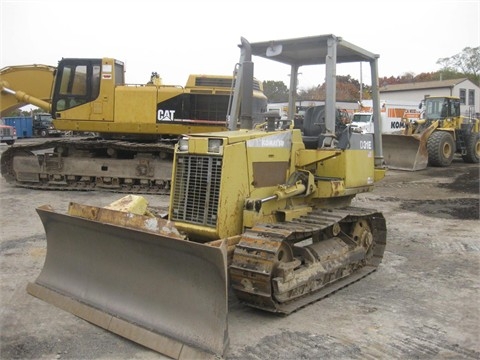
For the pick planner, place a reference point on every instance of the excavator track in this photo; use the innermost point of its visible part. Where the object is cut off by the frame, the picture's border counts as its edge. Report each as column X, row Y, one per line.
column 91, row 164
column 284, row 266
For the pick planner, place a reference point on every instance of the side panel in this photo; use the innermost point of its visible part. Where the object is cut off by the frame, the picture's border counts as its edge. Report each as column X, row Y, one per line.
column 135, row 104
column 269, row 161
column 354, row 165
column 234, row 190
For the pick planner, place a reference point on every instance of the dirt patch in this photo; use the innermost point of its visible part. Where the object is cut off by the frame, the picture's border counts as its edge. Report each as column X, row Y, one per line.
column 467, row 182
column 419, row 304
column 459, row 208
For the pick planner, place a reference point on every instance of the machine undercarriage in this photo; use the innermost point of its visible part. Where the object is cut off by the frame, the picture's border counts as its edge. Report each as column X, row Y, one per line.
column 91, row 164
column 284, row 266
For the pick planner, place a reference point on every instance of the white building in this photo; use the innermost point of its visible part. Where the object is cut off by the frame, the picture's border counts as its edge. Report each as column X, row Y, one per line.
column 466, row 90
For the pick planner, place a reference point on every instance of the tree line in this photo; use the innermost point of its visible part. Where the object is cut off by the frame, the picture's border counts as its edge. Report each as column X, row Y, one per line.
column 465, row 64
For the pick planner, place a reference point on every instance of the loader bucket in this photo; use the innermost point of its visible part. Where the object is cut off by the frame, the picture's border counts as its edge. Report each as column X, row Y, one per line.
column 142, row 282
column 405, row 152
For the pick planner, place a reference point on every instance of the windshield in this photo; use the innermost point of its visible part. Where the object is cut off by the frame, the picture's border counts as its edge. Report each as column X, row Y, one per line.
column 78, row 82
column 361, row 118
column 433, row 108
column 440, row 108
column 45, row 117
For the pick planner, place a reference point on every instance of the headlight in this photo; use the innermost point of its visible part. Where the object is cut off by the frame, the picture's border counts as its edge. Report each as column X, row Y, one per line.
column 214, row 145
column 183, row 144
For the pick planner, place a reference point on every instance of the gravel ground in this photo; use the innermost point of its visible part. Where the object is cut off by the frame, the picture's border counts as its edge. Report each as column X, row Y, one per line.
column 422, row 303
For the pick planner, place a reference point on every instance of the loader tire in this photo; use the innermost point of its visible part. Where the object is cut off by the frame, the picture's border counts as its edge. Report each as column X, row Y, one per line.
column 440, row 147
column 473, row 149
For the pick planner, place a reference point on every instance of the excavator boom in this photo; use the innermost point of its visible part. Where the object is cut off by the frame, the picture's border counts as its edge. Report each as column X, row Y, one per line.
column 31, row 82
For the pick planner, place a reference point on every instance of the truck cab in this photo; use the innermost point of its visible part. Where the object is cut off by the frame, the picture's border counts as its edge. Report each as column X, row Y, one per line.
column 43, row 125
column 363, row 121
column 8, row 134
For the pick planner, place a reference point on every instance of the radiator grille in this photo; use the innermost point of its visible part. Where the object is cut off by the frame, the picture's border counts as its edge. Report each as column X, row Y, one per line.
column 213, row 82
column 222, row 82
column 197, row 189
column 6, row 131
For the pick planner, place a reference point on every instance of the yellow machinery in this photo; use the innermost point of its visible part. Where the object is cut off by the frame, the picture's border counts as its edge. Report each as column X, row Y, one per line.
column 34, row 83
column 138, row 124
column 435, row 138
column 254, row 210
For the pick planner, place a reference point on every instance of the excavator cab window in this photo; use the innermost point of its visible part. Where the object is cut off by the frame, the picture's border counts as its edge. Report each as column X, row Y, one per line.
column 454, row 107
column 441, row 108
column 119, row 73
column 77, row 83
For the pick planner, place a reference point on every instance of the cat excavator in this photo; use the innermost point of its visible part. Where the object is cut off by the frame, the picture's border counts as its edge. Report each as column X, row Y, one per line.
column 253, row 215
column 138, row 125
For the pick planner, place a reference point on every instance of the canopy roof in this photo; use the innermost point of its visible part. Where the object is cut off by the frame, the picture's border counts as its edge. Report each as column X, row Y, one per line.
column 310, row 50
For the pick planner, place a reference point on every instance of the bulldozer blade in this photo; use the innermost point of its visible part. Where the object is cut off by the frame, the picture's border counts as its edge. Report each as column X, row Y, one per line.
column 405, row 152
column 146, row 285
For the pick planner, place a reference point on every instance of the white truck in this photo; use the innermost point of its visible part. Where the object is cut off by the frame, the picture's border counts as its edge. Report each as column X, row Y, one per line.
column 282, row 110
column 391, row 113
column 8, row 134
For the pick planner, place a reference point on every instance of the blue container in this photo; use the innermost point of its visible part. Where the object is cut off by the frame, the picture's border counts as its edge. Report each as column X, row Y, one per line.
column 23, row 125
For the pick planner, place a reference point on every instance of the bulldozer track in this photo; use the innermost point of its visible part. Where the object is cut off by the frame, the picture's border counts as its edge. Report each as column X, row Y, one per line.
column 92, row 145
column 261, row 252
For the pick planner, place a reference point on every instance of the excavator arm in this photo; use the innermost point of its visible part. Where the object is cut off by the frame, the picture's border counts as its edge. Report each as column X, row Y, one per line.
column 24, row 83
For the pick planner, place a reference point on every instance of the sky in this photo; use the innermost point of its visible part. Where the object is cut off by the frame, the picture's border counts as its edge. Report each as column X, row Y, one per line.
column 180, row 37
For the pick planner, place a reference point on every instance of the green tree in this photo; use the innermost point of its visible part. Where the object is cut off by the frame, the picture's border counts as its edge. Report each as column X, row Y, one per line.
column 18, row 113
column 275, row 91
column 25, row 112
column 466, row 62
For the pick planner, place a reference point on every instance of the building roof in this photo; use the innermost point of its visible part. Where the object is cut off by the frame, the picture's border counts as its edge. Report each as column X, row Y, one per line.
column 422, row 85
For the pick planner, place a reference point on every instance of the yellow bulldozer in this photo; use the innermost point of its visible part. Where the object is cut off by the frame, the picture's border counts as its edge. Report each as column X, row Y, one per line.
column 251, row 210
column 137, row 124
column 434, row 138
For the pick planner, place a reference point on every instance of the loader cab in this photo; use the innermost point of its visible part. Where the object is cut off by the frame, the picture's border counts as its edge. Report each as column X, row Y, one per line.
column 78, row 81
column 437, row 108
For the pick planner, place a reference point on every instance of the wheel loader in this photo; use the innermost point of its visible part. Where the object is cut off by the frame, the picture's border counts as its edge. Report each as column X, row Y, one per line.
column 137, row 124
column 253, row 215
column 435, row 138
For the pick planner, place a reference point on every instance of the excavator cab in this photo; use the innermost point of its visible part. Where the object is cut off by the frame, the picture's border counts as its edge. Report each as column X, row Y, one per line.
column 77, row 82
column 87, row 82
column 439, row 108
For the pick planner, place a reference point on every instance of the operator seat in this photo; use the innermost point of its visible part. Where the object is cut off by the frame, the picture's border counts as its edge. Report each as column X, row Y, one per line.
column 313, row 126
column 314, row 129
